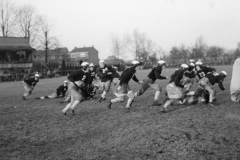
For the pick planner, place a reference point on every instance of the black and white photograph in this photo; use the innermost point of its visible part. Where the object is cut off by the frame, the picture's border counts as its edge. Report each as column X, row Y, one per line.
column 119, row 79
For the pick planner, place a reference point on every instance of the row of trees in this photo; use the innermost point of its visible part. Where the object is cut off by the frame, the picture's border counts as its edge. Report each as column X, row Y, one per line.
column 138, row 44
column 201, row 50
column 146, row 50
column 23, row 21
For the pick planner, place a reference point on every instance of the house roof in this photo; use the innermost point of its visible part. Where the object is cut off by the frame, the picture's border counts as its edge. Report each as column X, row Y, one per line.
column 16, row 48
column 14, row 43
column 84, row 49
column 57, row 51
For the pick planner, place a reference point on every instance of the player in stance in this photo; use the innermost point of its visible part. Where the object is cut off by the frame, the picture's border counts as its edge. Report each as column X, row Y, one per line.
column 207, row 83
column 149, row 82
column 105, row 74
column 123, row 87
column 59, row 92
column 235, row 82
column 29, row 84
column 90, row 89
column 77, row 81
column 175, row 87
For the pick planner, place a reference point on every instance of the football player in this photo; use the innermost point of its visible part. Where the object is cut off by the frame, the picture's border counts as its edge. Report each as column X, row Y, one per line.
column 149, row 81
column 202, row 70
column 175, row 87
column 123, row 87
column 29, row 84
column 207, row 83
column 77, row 81
column 59, row 92
column 105, row 74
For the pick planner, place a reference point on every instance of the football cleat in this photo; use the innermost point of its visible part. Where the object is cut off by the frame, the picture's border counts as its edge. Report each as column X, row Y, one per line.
column 211, row 104
column 164, row 110
column 101, row 99
column 73, row 112
column 155, row 103
column 109, row 103
column 23, row 97
column 64, row 113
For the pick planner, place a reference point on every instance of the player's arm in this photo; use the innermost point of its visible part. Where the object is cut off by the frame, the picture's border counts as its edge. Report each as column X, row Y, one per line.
column 100, row 72
column 220, row 84
column 158, row 74
column 136, row 79
column 210, row 69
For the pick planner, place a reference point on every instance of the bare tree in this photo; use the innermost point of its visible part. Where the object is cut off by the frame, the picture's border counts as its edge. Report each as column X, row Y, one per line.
column 136, row 43
column 7, row 21
column 116, row 45
column 119, row 45
column 45, row 40
column 28, row 23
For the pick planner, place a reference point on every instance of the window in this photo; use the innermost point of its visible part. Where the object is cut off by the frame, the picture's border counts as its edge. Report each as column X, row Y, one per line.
column 79, row 55
column 52, row 57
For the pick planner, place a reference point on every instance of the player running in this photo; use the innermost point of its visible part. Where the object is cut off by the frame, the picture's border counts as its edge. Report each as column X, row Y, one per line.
column 105, row 73
column 77, row 81
column 29, row 84
column 59, row 92
column 175, row 87
column 149, row 82
column 123, row 87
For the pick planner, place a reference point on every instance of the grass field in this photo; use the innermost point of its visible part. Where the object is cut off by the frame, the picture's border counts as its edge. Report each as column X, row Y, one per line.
column 36, row 129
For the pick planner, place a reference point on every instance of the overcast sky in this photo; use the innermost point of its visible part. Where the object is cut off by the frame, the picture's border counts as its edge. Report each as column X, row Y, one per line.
column 79, row 23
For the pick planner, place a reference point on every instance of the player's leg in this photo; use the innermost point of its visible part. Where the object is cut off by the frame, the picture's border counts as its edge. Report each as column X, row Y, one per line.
column 174, row 92
column 68, row 105
column 28, row 90
column 71, row 89
column 107, row 86
column 146, row 84
column 158, row 89
column 131, row 96
column 209, row 88
column 120, row 96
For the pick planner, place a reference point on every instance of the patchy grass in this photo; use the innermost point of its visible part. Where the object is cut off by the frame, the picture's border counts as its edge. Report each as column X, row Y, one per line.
column 35, row 129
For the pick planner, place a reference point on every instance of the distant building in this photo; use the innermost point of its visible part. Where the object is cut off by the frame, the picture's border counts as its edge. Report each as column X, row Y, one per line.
column 57, row 55
column 85, row 54
column 15, row 55
column 113, row 60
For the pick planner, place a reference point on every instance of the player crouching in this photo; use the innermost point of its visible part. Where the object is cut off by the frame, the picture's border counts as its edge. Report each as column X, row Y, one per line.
column 59, row 92
column 29, row 85
column 77, row 81
column 208, row 82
